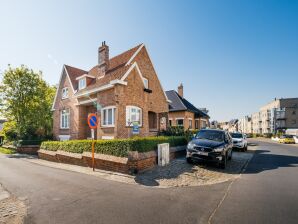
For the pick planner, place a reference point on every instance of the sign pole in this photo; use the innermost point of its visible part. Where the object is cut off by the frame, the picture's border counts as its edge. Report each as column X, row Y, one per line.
column 93, row 122
column 92, row 134
column 93, row 154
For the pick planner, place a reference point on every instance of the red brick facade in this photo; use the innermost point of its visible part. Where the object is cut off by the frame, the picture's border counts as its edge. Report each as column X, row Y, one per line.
column 126, row 92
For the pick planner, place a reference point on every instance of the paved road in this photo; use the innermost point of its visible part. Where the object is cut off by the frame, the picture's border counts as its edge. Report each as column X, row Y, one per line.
column 266, row 193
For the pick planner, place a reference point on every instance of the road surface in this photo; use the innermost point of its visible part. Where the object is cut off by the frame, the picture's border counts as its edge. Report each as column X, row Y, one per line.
column 267, row 192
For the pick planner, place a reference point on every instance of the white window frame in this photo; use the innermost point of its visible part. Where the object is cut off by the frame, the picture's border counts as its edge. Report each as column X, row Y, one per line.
column 65, row 119
column 179, row 118
column 107, row 118
column 84, row 84
column 129, row 109
column 146, row 83
column 190, row 121
column 65, row 93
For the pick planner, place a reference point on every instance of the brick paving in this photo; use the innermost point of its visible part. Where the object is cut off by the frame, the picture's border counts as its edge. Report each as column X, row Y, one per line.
column 179, row 173
column 12, row 210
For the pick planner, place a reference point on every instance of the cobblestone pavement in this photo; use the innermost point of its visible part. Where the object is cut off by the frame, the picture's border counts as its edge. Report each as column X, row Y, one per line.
column 179, row 173
column 12, row 210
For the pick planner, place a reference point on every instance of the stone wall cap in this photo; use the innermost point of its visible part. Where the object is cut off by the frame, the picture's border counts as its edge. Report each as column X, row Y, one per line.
column 48, row 152
column 70, row 154
column 111, row 158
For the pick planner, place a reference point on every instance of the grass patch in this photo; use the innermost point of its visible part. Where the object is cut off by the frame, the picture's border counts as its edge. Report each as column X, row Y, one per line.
column 6, row 151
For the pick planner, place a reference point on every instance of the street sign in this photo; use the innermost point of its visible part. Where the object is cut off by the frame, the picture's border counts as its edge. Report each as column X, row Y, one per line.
column 92, row 121
column 135, row 128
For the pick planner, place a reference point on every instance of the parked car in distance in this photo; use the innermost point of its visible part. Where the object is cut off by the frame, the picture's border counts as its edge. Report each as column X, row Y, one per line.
column 210, row 145
column 239, row 141
column 286, row 139
column 248, row 135
column 296, row 139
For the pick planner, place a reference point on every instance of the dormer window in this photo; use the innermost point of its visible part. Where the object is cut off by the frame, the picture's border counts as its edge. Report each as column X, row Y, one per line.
column 82, row 83
column 65, row 93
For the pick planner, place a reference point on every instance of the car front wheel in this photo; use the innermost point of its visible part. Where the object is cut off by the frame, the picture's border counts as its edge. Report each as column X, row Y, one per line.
column 189, row 160
column 223, row 162
column 230, row 156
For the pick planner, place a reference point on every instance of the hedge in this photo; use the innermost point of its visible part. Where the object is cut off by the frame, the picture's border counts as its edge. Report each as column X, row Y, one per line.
column 116, row 147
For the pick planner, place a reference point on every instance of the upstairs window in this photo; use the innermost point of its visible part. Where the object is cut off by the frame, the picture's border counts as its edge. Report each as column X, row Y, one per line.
column 65, row 93
column 146, row 83
column 82, row 83
column 133, row 114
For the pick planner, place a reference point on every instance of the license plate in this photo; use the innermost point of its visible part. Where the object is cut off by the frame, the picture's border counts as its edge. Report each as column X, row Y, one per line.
column 203, row 153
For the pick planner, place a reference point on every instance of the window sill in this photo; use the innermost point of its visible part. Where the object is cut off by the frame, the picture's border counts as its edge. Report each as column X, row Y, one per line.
column 107, row 126
column 153, row 130
column 64, row 128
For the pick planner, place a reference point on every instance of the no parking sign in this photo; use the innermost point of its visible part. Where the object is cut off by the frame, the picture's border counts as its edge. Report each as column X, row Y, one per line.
column 92, row 121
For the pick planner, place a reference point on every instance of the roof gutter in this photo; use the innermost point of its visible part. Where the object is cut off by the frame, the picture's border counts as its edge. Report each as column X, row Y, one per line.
column 101, row 88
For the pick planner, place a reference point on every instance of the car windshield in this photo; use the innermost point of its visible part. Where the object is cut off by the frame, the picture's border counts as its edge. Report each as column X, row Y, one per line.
column 236, row 135
column 217, row 136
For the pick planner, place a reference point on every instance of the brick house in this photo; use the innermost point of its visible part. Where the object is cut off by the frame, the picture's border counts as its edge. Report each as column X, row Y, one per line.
column 122, row 90
column 183, row 113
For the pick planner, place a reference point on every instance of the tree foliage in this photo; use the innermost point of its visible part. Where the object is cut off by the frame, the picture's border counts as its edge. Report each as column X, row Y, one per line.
column 26, row 100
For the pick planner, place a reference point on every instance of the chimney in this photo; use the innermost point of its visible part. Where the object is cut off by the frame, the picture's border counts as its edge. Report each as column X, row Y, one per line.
column 180, row 90
column 103, row 57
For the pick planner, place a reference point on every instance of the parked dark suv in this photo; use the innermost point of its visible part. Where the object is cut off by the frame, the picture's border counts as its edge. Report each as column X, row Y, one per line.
column 210, row 145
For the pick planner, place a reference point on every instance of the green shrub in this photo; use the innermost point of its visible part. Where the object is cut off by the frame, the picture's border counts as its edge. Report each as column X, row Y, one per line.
column 116, row 147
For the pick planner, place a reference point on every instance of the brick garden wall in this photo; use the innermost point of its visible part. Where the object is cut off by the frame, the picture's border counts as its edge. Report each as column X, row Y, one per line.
column 136, row 162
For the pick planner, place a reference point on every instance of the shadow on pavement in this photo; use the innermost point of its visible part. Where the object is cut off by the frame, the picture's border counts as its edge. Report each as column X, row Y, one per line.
column 263, row 161
column 21, row 156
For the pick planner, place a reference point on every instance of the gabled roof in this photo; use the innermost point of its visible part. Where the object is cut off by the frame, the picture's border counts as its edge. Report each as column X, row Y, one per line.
column 179, row 103
column 115, row 71
column 73, row 73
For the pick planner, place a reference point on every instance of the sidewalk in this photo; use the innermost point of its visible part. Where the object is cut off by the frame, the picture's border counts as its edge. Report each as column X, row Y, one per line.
column 177, row 174
column 12, row 210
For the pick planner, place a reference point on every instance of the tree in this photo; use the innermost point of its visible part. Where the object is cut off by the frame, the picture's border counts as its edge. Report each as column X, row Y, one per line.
column 27, row 100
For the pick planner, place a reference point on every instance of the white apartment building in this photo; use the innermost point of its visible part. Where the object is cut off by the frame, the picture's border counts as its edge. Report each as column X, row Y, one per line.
column 278, row 115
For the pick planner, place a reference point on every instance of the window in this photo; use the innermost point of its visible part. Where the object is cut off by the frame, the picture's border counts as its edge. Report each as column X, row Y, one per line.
column 65, row 93
column 294, row 112
column 82, row 83
column 133, row 114
column 64, row 122
column 196, row 124
column 170, row 123
column 190, row 124
column 108, row 117
column 146, row 83
column 293, row 121
column 179, row 122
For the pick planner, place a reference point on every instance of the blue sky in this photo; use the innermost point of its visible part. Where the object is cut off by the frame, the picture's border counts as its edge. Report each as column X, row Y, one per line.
column 231, row 56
